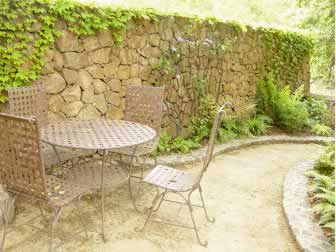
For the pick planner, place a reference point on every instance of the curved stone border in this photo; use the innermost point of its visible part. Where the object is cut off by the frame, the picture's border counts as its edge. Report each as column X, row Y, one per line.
column 299, row 213
column 198, row 155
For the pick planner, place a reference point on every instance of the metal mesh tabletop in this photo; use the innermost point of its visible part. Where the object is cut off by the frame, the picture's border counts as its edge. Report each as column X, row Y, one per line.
column 102, row 134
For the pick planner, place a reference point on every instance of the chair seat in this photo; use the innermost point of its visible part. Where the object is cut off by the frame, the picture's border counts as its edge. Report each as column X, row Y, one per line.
column 170, row 178
column 63, row 191
column 50, row 158
column 88, row 173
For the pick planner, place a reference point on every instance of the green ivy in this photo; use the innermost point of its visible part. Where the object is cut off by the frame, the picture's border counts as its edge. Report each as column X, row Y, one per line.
column 28, row 29
column 291, row 47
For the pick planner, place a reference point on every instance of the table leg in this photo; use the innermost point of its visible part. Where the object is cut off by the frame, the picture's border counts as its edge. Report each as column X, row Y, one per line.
column 58, row 158
column 57, row 154
column 102, row 195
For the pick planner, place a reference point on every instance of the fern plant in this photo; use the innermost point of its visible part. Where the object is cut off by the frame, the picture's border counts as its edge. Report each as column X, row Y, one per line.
column 321, row 130
column 200, row 126
column 267, row 94
column 326, row 163
column 184, row 145
column 285, row 109
column 323, row 189
column 259, row 124
column 164, row 143
column 291, row 111
column 319, row 112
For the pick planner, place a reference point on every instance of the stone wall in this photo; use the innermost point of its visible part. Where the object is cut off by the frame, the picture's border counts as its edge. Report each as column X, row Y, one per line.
column 86, row 77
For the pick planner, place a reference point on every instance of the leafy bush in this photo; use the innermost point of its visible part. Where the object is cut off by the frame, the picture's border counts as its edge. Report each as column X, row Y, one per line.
column 321, row 130
column 259, row 124
column 285, row 109
column 184, row 145
column 318, row 111
column 164, row 143
column 267, row 98
column 323, row 188
column 230, row 129
column 179, row 144
column 291, row 112
column 326, row 163
column 200, row 126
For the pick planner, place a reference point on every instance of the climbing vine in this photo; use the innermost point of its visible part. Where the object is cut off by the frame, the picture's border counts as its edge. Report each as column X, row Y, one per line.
column 291, row 48
column 29, row 28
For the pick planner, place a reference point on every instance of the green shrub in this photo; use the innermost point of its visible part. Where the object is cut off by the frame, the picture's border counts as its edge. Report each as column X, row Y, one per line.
column 291, row 112
column 323, row 188
column 200, row 125
column 267, row 96
column 229, row 129
column 259, row 124
column 326, row 163
column 179, row 144
column 318, row 110
column 321, row 130
column 164, row 145
column 233, row 127
column 285, row 109
column 184, row 145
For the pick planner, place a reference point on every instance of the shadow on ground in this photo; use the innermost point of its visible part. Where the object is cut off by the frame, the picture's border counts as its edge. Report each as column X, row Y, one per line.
column 243, row 190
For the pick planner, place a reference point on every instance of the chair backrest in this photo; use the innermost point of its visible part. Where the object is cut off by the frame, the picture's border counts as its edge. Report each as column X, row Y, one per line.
column 212, row 140
column 145, row 105
column 29, row 101
column 21, row 164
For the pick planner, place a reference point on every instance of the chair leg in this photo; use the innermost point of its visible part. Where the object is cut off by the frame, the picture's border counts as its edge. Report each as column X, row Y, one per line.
column 205, row 243
column 142, row 169
column 152, row 208
column 5, row 219
column 155, row 159
column 210, row 219
column 53, row 221
column 132, row 194
column 4, row 234
column 44, row 217
column 160, row 203
column 81, row 219
column 59, row 160
column 130, row 180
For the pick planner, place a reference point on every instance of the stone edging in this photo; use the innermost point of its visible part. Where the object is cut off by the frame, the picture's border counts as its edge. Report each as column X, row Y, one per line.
column 198, row 155
column 299, row 213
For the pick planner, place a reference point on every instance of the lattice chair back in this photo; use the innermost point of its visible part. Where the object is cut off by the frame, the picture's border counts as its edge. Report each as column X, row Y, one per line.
column 212, row 140
column 145, row 105
column 21, row 165
column 29, row 101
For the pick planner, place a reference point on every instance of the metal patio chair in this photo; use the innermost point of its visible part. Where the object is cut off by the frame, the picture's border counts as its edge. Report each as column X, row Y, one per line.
column 22, row 171
column 143, row 105
column 33, row 101
column 169, row 180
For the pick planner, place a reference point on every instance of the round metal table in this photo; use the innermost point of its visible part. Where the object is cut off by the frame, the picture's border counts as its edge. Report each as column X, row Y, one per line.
column 98, row 134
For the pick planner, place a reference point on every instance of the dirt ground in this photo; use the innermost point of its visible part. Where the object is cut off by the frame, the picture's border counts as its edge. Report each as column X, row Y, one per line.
column 243, row 191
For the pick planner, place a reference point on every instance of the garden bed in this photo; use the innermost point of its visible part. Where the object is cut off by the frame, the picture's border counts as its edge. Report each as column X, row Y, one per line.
column 299, row 213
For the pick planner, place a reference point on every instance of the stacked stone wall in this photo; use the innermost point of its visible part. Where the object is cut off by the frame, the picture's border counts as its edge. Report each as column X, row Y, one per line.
column 86, row 76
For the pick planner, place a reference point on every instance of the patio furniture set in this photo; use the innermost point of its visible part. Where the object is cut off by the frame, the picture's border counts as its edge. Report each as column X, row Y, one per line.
column 30, row 145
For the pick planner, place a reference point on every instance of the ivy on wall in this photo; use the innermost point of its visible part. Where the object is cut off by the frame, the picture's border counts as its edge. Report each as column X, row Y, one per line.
column 29, row 28
column 291, row 48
